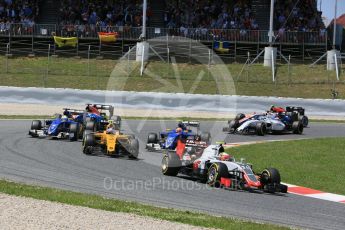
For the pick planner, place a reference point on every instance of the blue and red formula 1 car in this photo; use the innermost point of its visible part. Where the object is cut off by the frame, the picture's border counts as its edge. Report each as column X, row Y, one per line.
column 97, row 117
column 187, row 132
column 291, row 111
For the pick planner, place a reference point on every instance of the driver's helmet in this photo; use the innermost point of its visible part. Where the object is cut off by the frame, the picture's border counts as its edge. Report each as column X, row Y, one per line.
column 66, row 113
column 225, row 157
column 181, row 125
column 64, row 118
column 110, row 129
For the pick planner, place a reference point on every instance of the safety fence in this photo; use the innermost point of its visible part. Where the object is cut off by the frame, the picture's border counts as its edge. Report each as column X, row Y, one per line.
column 23, row 39
column 91, row 59
column 90, row 62
column 234, row 51
column 133, row 33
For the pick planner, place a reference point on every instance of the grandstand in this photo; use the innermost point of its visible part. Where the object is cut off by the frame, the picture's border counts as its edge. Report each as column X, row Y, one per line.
column 27, row 26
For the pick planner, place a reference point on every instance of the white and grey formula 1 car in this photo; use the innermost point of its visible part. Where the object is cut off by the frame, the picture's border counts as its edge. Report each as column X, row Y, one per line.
column 219, row 169
column 262, row 124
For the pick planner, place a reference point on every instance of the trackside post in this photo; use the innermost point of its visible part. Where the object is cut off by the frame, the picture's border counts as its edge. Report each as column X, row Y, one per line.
column 273, row 67
column 336, row 66
column 88, row 60
column 7, row 54
column 47, row 72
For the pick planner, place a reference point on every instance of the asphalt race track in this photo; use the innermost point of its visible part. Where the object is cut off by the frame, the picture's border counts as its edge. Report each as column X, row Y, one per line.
column 61, row 164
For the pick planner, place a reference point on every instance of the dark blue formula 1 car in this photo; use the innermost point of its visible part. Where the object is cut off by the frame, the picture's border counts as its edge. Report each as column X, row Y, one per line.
column 187, row 132
column 73, row 123
column 66, row 126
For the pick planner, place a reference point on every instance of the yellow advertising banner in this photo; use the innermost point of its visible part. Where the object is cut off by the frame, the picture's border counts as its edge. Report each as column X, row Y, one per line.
column 65, row 41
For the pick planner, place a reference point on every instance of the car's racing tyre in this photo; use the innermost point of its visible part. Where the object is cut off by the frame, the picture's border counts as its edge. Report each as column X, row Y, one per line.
column 88, row 119
column 36, row 125
column 206, row 137
column 117, row 121
column 74, row 131
column 152, row 138
column 304, row 120
column 283, row 188
column 116, row 118
column 87, row 132
column 297, row 127
column 260, row 128
column 270, row 176
column 133, row 148
column 81, row 131
column 233, row 125
column 240, row 116
column 215, row 172
column 88, row 143
column 171, row 164
column 91, row 125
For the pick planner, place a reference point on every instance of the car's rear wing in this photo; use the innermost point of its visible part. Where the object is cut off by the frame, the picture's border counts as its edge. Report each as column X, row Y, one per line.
column 109, row 108
column 102, row 107
column 194, row 143
column 191, row 123
column 299, row 110
column 74, row 110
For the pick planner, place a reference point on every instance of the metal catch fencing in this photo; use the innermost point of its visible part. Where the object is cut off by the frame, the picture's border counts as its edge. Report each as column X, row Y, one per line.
column 92, row 59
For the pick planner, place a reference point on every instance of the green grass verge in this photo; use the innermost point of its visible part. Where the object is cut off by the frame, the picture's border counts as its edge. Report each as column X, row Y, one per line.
column 317, row 163
column 300, row 81
column 98, row 202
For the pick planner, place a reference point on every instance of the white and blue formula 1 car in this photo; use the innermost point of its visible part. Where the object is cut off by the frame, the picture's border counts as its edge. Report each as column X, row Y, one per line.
column 262, row 124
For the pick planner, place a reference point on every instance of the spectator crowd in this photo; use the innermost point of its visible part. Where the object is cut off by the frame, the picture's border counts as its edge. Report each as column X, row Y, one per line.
column 86, row 15
column 302, row 16
column 208, row 18
column 298, row 16
column 18, row 11
column 220, row 14
column 206, row 15
column 103, row 13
